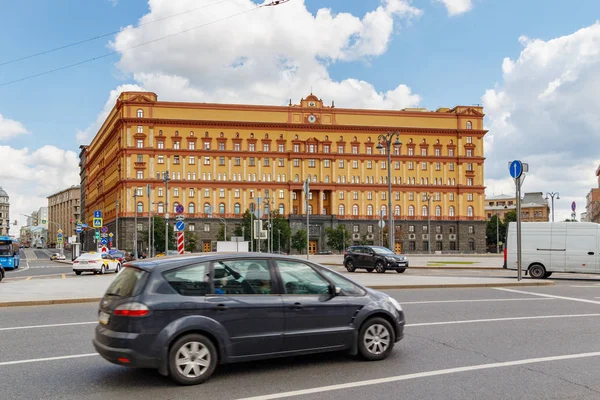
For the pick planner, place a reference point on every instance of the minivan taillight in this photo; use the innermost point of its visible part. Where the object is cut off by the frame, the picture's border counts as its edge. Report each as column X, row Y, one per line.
column 75, row 262
column 132, row 309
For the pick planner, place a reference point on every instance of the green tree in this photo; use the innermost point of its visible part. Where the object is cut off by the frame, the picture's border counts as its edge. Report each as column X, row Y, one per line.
column 221, row 233
column 243, row 228
column 337, row 238
column 490, row 230
column 364, row 241
column 159, row 235
column 281, row 231
column 191, row 241
column 299, row 240
column 510, row 216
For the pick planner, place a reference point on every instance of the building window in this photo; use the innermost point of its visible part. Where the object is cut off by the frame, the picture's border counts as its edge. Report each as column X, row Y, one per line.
column 296, row 148
column 222, row 208
column 140, row 113
column 341, row 195
column 369, row 195
column 438, row 152
column 311, row 163
column 424, row 211
column 266, row 147
column 355, row 228
column 340, row 149
column 222, row 193
column 191, row 160
column 140, row 144
column 282, row 194
column 251, row 162
column 384, row 165
column 411, row 211
column 176, row 160
column 160, row 192
column 281, row 148
column 221, row 160
column 451, row 211
column 438, row 166
column 221, row 146
column 423, row 151
column 236, row 147
column 281, row 162
column 469, row 153
column 341, row 163
column 161, row 208
column 296, row 162
column 411, row 165
column 175, row 192
column 191, row 208
column 237, row 161
column 326, row 148
column 191, row 146
column 469, row 196
column 469, row 125
column 161, row 144
column 140, row 207
column 206, row 227
column 341, row 209
column 176, row 145
column 237, row 208
column 411, row 151
column 140, row 129
column 469, row 181
column 424, row 166
column 438, row 211
column 451, row 152
column 206, row 160
column 161, row 159
column 192, row 227
column 470, row 211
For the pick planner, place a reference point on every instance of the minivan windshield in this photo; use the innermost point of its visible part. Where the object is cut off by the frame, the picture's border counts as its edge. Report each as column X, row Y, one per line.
column 128, row 283
column 382, row 250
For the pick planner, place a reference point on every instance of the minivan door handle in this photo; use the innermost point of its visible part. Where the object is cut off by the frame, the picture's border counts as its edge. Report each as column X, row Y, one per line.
column 590, row 253
column 221, row 307
column 297, row 306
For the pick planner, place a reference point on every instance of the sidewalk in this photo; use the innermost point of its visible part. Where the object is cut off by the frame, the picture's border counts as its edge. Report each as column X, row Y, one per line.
column 30, row 254
column 430, row 261
column 90, row 288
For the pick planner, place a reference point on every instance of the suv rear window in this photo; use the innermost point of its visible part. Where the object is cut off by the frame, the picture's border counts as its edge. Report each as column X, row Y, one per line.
column 128, row 283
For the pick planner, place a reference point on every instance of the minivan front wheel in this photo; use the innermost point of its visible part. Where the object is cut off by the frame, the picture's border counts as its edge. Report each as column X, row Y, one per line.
column 350, row 266
column 192, row 359
column 379, row 267
column 376, row 339
column 537, row 271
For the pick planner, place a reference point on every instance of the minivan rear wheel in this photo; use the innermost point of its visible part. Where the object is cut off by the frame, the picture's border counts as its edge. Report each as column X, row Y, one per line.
column 376, row 339
column 192, row 359
column 537, row 271
column 350, row 266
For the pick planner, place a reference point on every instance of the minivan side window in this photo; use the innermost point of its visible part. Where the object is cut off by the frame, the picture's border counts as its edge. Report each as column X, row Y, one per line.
column 189, row 281
column 242, row 276
column 299, row 278
column 349, row 288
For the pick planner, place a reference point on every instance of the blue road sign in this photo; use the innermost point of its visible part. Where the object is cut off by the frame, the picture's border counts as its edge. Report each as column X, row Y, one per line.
column 516, row 169
column 59, row 235
column 180, row 225
column 573, row 206
column 97, row 222
column 179, row 209
column 79, row 229
column 97, row 214
column 104, row 229
column 104, row 241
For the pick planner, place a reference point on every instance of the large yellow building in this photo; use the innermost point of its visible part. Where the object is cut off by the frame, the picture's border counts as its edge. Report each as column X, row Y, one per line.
column 222, row 157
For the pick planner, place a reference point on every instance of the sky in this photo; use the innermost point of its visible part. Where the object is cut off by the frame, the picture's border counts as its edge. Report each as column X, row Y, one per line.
column 534, row 66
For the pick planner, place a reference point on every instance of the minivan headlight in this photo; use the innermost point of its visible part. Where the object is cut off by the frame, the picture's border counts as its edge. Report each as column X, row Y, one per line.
column 395, row 303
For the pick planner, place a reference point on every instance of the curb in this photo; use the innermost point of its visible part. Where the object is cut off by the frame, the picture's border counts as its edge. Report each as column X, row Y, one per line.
column 377, row 287
column 48, row 302
column 441, row 267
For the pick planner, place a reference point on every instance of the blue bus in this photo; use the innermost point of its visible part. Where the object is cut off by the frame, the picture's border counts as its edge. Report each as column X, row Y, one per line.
column 10, row 257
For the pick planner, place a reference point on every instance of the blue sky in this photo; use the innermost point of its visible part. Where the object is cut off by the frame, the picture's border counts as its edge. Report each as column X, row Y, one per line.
column 445, row 60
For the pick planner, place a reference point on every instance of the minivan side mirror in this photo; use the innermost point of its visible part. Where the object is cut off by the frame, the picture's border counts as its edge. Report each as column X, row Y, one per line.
column 335, row 290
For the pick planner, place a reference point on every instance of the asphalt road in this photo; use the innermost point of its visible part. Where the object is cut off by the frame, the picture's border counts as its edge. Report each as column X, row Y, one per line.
column 530, row 343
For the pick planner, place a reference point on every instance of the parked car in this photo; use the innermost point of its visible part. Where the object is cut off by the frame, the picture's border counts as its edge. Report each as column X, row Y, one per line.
column 98, row 263
column 374, row 258
column 185, row 315
column 325, row 252
column 118, row 255
column 1, row 273
column 57, row 256
column 130, row 256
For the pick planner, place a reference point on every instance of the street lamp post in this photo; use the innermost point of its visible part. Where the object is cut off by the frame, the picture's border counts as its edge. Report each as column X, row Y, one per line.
column 166, row 179
column 135, row 230
column 117, row 224
column 224, row 229
column 385, row 142
column 429, row 195
column 552, row 195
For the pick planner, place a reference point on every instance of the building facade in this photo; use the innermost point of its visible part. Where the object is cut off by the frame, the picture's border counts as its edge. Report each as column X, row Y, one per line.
column 534, row 207
column 221, row 158
column 64, row 211
column 4, row 213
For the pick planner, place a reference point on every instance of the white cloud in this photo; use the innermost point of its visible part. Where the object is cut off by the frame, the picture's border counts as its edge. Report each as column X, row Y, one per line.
column 545, row 113
column 265, row 56
column 29, row 176
column 10, row 128
column 84, row 136
column 457, row 7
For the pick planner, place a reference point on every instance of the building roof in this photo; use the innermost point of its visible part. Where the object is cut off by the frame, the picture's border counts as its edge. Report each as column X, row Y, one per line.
column 535, row 198
column 499, row 197
column 3, row 193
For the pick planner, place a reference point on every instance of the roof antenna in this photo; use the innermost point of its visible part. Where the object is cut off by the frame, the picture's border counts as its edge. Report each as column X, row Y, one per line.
column 290, row 102
column 332, row 104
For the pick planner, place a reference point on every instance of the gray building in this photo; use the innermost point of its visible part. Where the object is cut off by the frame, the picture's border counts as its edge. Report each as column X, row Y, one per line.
column 4, row 213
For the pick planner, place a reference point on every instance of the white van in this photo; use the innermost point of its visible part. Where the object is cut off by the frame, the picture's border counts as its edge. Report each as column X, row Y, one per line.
column 549, row 247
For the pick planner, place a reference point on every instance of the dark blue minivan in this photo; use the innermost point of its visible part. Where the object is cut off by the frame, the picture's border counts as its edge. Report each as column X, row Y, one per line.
column 184, row 315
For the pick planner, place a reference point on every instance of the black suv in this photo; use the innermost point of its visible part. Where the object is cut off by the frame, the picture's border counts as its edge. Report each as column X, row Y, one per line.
column 186, row 315
column 375, row 258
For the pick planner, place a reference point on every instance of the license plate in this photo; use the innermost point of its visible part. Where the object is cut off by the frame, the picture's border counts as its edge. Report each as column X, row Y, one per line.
column 83, row 262
column 103, row 317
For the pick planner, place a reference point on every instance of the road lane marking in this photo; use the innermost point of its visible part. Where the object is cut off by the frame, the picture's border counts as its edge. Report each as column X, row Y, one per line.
column 418, row 375
column 551, row 296
column 33, row 360
column 15, row 328
column 28, row 278
column 470, row 321
column 63, row 276
column 594, row 286
column 468, row 301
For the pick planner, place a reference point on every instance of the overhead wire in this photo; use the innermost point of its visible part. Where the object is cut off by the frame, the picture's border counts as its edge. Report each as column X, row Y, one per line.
column 66, row 46
column 112, row 53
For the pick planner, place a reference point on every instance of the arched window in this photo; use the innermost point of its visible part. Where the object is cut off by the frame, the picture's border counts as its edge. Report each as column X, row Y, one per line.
column 341, row 209
column 470, row 211
column 264, row 178
column 358, row 179
column 175, row 207
column 222, row 208
column 369, row 209
column 283, row 178
column 191, row 208
column 161, row 208
column 451, row 211
column 438, row 211
column 343, row 179
column 397, row 211
column 314, row 178
column 355, row 209
column 278, row 177
column 411, row 211
column 266, row 209
column 140, row 113
column 310, row 209
column 140, row 207
column 296, row 178
column 353, row 179
column 469, row 124
column 383, row 210
column 281, row 209
column 424, row 211
column 207, row 209
column 236, row 208
column 326, row 178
